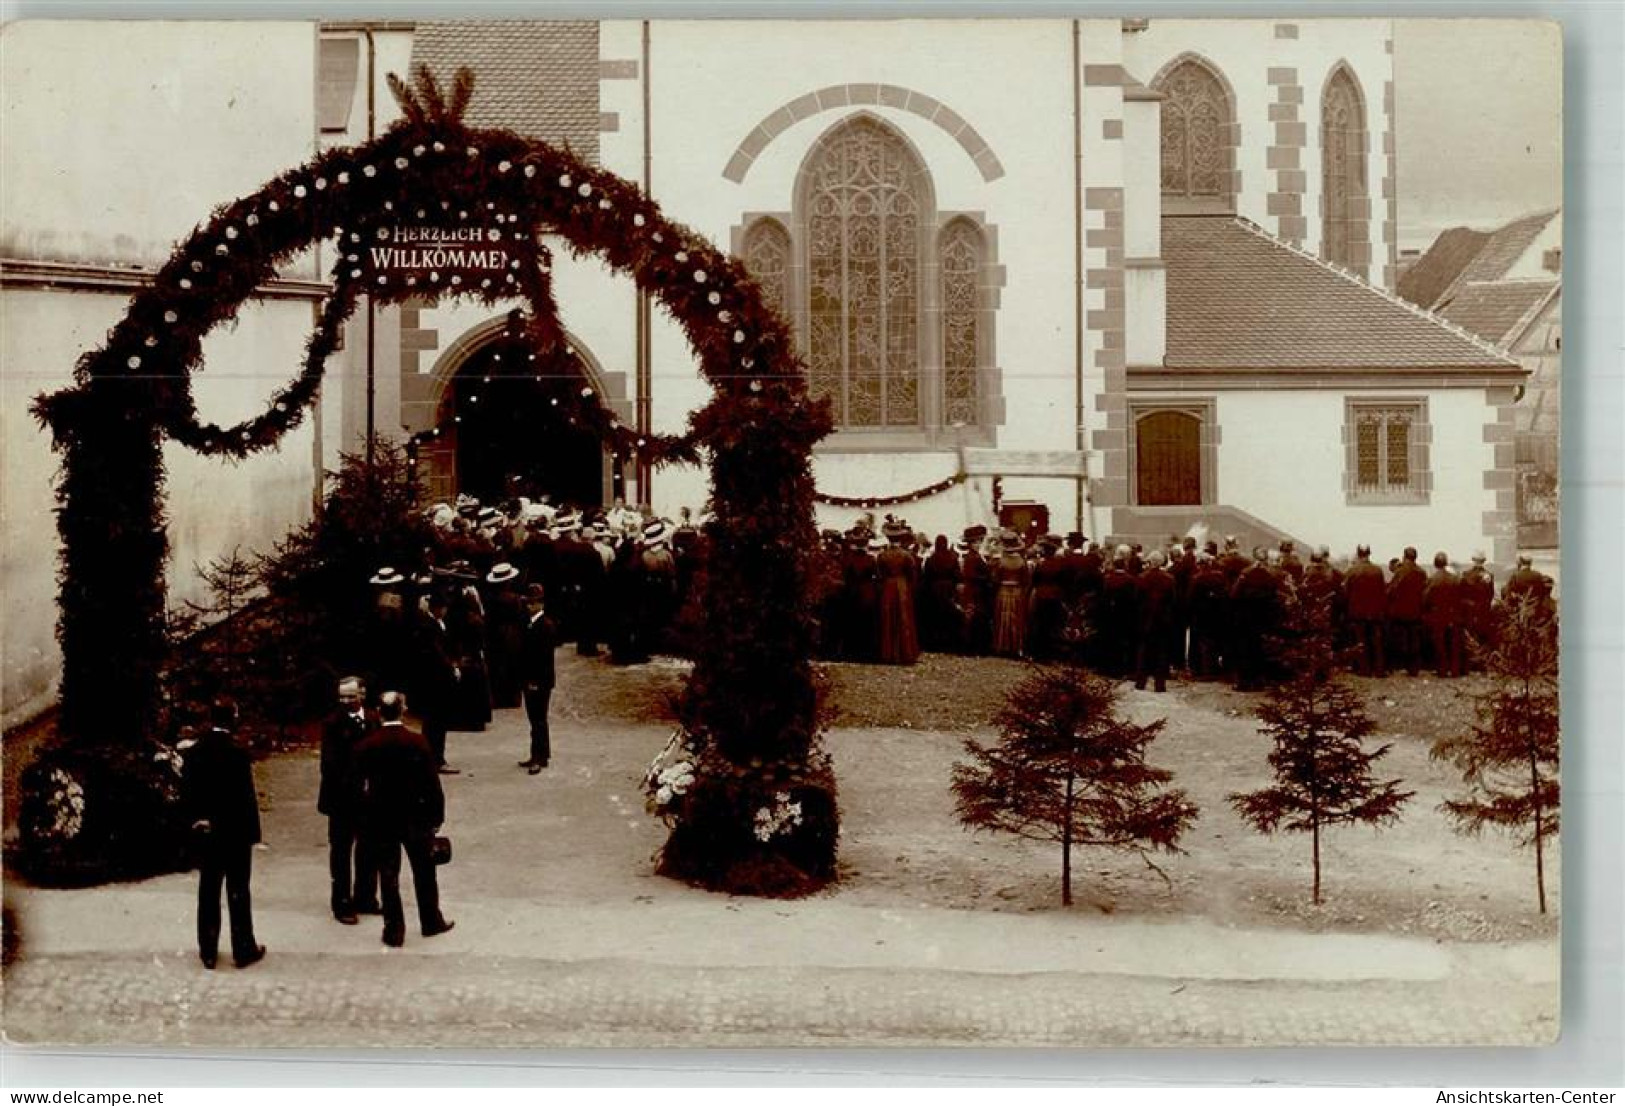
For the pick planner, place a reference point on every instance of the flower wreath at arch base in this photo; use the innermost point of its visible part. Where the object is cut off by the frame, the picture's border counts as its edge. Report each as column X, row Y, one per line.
column 749, row 703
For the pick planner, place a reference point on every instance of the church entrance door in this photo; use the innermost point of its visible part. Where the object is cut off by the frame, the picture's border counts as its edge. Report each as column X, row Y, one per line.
column 1168, row 459
column 505, row 433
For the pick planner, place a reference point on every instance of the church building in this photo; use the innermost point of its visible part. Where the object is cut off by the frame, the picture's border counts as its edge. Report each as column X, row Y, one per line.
column 1124, row 277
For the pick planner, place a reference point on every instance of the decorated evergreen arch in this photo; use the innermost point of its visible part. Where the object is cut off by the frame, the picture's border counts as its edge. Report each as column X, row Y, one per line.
column 749, row 709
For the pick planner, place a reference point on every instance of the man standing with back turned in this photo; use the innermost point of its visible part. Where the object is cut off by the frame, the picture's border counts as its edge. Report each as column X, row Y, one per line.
column 217, row 790
column 402, row 806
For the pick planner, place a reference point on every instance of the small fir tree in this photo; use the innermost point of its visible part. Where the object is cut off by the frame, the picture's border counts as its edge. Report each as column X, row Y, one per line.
column 1323, row 774
column 1068, row 769
column 233, row 581
column 1509, row 759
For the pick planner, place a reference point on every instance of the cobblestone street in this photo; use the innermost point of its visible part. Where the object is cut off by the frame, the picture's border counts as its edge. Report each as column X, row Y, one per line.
column 316, row 1000
column 933, row 937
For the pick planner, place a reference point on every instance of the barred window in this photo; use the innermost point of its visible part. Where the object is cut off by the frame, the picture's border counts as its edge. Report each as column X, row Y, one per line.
column 1197, row 140
column 1342, row 172
column 1388, row 451
column 960, row 262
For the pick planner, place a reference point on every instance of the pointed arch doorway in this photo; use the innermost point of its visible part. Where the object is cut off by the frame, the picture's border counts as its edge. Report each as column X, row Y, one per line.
column 507, row 429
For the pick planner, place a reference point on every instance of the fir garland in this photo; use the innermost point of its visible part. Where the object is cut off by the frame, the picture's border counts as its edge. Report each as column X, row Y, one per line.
column 751, row 693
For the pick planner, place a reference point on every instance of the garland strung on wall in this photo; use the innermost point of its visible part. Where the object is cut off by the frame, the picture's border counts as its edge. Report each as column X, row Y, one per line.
column 871, row 501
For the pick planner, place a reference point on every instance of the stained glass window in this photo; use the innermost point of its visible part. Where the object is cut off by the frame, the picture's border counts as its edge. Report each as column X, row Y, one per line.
column 1342, row 169
column 960, row 260
column 767, row 256
column 862, row 207
column 1386, row 441
column 1195, row 133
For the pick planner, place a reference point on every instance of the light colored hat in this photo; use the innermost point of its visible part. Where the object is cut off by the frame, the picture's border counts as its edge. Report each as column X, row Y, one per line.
column 501, row 574
column 656, row 532
column 566, row 522
column 877, row 544
column 489, row 516
column 441, row 515
column 1009, row 539
column 387, row 576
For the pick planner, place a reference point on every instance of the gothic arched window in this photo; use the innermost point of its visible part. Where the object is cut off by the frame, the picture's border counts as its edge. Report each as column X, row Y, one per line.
column 864, row 197
column 1197, row 135
column 766, row 254
column 959, row 260
column 1342, row 172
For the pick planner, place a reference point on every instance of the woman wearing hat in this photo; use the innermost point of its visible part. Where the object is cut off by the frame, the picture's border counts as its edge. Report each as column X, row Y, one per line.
column 899, row 575
column 1012, row 580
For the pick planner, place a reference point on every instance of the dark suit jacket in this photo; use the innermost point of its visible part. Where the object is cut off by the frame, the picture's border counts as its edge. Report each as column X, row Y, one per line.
column 1155, row 612
column 434, row 687
column 340, row 791
column 401, row 794
column 1405, row 592
column 1441, row 599
column 536, row 659
column 1366, row 591
column 217, row 786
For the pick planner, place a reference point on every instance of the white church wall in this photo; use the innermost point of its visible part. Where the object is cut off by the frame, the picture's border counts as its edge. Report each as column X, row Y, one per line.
column 1362, row 45
column 1245, row 52
column 1282, row 458
column 717, row 81
column 119, row 139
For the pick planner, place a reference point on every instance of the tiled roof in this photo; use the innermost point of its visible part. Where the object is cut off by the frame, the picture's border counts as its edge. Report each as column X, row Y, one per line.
column 1241, row 299
column 1460, row 256
column 1426, row 282
column 1495, row 310
column 1504, row 248
column 537, row 77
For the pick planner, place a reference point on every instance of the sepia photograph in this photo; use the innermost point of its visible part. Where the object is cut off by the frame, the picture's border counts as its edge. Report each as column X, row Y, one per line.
column 904, row 533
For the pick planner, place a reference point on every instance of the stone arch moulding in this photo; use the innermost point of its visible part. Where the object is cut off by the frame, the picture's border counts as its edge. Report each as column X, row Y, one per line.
column 836, row 97
column 430, row 387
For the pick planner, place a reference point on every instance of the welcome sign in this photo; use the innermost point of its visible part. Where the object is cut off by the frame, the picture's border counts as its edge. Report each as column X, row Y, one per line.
column 436, row 253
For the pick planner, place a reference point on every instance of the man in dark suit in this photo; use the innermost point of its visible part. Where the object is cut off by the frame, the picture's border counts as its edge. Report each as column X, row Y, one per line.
column 437, row 674
column 1477, row 610
column 1523, row 583
column 1119, row 603
column 1365, row 594
column 1405, row 610
column 217, row 790
column 1154, row 616
column 1254, row 605
column 1441, row 613
column 339, row 797
column 536, row 676
column 1209, row 608
column 402, row 807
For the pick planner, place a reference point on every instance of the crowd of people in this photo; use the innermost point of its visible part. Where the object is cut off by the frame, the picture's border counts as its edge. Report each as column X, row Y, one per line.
column 456, row 628
column 473, row 626
column 1208, row 609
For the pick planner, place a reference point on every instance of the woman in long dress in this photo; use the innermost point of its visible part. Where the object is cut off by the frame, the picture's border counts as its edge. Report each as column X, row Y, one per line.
column 1012, row 580
column 899, row 576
